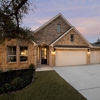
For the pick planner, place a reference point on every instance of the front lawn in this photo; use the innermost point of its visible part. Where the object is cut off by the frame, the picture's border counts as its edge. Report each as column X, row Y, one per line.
column 46, row 86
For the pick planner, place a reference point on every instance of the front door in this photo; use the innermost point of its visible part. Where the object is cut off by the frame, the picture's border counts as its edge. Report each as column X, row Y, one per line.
column 44, row 55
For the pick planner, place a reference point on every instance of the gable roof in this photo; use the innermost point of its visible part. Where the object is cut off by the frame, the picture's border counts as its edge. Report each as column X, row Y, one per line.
column 58, row 15
column 51, row 44
column 87, row 42
column 71, row 27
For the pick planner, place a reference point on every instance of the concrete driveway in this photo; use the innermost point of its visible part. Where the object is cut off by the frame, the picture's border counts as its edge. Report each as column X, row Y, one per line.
column 85, row 79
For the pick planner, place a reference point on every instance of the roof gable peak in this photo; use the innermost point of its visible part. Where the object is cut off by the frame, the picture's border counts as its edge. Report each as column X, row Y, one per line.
column 79, row 34
column 52, row 19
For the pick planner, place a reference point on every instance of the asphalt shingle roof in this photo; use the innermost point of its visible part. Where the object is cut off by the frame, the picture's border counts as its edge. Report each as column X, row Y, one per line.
column 96, row 44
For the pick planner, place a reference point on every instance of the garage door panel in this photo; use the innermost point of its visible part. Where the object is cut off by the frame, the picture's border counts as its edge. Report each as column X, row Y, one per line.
column 95, row 57
column 64, row 58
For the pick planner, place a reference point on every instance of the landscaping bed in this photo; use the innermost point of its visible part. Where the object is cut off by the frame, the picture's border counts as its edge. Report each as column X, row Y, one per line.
column 46, row 86
column 15, row 79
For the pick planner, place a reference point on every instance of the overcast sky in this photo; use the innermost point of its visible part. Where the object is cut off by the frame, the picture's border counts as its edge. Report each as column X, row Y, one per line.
column 83, row 14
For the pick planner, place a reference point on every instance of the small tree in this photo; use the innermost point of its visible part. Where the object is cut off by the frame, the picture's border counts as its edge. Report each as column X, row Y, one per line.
column 98, row 40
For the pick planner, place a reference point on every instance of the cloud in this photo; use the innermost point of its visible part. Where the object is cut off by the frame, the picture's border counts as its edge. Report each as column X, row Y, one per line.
column 34, row 20
column 35, row 23
column 72, row 8
column 89, row 27
column 91, row 24
column 34, row 27
column 41, row 21
column 83, row 14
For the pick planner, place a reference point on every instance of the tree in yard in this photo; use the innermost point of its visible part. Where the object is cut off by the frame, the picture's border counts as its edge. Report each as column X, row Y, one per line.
column 11, row 16
column 98, row 40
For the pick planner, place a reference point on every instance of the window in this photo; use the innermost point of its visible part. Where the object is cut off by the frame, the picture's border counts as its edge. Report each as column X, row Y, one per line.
column 11, row 54
column 23, row 54
column 58, row 28
column 72, row 37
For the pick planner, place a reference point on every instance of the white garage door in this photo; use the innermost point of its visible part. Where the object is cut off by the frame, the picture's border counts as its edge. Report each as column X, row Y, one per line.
column 95, row 57
column 64, row 58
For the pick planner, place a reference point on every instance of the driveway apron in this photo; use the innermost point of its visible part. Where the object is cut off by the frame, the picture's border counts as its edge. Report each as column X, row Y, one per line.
column 85, row 79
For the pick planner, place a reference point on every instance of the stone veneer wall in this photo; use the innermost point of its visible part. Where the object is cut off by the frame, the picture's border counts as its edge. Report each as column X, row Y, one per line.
column 66, row 40
column 49, row 33
column 5, row 65
column 52, row 57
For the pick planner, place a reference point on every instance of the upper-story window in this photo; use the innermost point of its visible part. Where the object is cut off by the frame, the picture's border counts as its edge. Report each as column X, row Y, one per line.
column 72, row 37
column 11, row 53
column 58, row 28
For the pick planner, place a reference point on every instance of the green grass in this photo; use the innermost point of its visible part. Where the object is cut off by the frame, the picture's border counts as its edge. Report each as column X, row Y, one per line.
column 46, row 86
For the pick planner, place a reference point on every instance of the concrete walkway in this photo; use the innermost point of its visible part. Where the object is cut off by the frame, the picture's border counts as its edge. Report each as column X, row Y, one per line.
column 85, row 79
column 44, row 68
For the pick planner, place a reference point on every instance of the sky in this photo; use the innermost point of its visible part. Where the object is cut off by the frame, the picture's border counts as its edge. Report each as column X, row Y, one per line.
column 83, row 14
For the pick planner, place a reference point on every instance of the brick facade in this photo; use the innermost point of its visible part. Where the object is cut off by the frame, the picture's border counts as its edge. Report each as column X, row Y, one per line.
column 49, row 33
column 66, row 40
column 5, row 65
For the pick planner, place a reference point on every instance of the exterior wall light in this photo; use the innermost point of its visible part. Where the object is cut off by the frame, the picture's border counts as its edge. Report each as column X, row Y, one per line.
column 53, row 51
column 88, row 51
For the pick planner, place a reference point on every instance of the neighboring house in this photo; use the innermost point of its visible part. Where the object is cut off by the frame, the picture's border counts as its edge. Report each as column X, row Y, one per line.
column 57, row 43
column 96, row 43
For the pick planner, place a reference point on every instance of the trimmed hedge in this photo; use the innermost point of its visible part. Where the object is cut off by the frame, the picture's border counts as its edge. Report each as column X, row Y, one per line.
column 16, row 79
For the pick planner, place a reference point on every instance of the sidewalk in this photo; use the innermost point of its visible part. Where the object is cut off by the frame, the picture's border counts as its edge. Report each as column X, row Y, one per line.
column 44, row 68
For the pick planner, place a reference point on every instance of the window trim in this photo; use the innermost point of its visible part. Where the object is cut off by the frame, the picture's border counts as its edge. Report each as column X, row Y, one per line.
column 17, row 54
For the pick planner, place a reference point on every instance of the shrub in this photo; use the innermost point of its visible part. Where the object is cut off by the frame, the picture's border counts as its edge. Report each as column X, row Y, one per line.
column 31, row 66
column 17, row 83
column 7, row 77
column 27, row 77
column 7, row 88
column 13, row 80
column 1, row 71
